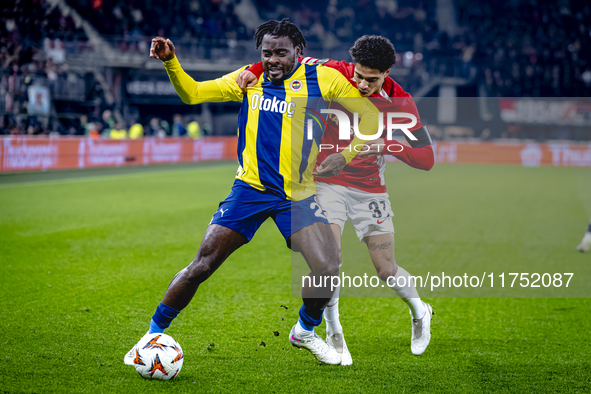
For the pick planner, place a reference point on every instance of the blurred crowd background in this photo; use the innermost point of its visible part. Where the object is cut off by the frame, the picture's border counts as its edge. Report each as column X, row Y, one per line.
column 81, row 67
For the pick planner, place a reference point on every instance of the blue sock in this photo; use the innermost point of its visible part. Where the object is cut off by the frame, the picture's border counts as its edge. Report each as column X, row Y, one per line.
column 589, row 228
column 162, row 318
column 306, row 320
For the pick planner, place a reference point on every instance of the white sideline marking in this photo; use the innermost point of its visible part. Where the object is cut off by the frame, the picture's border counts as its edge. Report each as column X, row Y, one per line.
column 97, row 178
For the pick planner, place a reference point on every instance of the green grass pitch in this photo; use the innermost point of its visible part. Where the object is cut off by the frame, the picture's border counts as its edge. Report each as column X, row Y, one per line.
column 85, row 259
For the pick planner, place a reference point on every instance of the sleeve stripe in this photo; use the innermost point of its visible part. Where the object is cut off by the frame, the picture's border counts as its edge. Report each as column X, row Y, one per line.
column 309, row 60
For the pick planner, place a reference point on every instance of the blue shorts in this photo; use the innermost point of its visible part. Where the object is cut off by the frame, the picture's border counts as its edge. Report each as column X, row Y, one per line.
column 246, row 208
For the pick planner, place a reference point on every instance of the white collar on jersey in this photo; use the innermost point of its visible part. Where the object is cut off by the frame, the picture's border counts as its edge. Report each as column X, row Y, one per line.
column 385, row 95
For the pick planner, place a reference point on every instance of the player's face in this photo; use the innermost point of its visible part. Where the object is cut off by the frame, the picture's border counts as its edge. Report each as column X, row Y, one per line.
column 369, row 80
column 279, row 56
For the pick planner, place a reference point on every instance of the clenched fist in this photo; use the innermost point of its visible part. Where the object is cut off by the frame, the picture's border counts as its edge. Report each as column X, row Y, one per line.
column 162, row 49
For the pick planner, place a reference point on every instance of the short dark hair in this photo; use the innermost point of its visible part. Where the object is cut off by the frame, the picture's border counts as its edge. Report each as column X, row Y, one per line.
column 282, row 28
column 375, row 52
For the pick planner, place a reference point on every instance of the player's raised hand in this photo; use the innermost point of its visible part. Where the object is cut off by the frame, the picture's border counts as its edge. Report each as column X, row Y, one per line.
column 331, row 166
column 246, row 79
column 162, row 48
column 374, row 148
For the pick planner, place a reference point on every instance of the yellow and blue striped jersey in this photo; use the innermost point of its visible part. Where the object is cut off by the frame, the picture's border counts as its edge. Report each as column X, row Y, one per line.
column 273, row 151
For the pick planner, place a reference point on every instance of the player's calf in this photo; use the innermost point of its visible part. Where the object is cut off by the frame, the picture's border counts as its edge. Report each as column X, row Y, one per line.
column 198, row 271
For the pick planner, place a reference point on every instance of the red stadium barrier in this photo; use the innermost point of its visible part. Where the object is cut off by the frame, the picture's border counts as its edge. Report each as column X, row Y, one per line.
column 41, row 153
column 35, row 154
column 520, row 154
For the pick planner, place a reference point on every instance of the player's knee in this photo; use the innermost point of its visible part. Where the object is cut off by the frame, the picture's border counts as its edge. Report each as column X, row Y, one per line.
column 328, row 262
column 328, row 268
column 387, row 270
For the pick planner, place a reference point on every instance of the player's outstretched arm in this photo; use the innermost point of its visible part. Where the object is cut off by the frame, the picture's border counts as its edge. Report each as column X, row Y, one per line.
column 186, row 87
column 189, row 90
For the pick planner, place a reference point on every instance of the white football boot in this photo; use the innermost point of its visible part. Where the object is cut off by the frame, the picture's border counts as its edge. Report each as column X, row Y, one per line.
column 585, row 244
column 337, row 342
column 315, row 344
column 421, row 331
column 132, row 354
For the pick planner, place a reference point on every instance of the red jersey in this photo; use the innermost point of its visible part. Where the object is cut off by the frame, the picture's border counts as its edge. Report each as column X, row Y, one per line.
column 367, row 174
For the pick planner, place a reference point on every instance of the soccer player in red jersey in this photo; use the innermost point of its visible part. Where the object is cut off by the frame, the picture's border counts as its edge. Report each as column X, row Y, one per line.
column 359, row 191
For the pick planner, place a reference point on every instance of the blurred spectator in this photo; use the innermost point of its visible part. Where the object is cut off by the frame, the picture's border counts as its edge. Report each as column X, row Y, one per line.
column 155, row 130
column 93, row 132
column 98, row 129
column 54, row 49
column 178, row 130
column 34, row 129
column 166, row 127
column 16, row 129
column 206, row 129
column 194, row 130
column 85, row 125
column 118, row 132
column 136, row 131
column 108, row 121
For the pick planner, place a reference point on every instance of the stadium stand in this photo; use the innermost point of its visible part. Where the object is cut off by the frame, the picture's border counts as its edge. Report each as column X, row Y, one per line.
column 533, row 48
column 35, row 38
column 98, row 63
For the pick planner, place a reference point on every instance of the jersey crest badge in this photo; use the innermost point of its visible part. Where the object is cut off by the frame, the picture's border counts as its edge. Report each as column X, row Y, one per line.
column 296, row 85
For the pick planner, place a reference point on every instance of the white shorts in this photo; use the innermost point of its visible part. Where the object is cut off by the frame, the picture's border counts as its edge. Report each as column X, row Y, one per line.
column 369, row 213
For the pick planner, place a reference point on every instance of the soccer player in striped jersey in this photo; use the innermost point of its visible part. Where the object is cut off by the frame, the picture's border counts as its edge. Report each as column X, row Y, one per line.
column 270, row 139
column 359, row 191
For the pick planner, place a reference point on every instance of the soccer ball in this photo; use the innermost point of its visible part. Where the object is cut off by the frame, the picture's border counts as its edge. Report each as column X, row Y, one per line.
column 158, row 356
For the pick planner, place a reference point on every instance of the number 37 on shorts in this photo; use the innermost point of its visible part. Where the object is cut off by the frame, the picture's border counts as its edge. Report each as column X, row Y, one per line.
column 369, row 213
